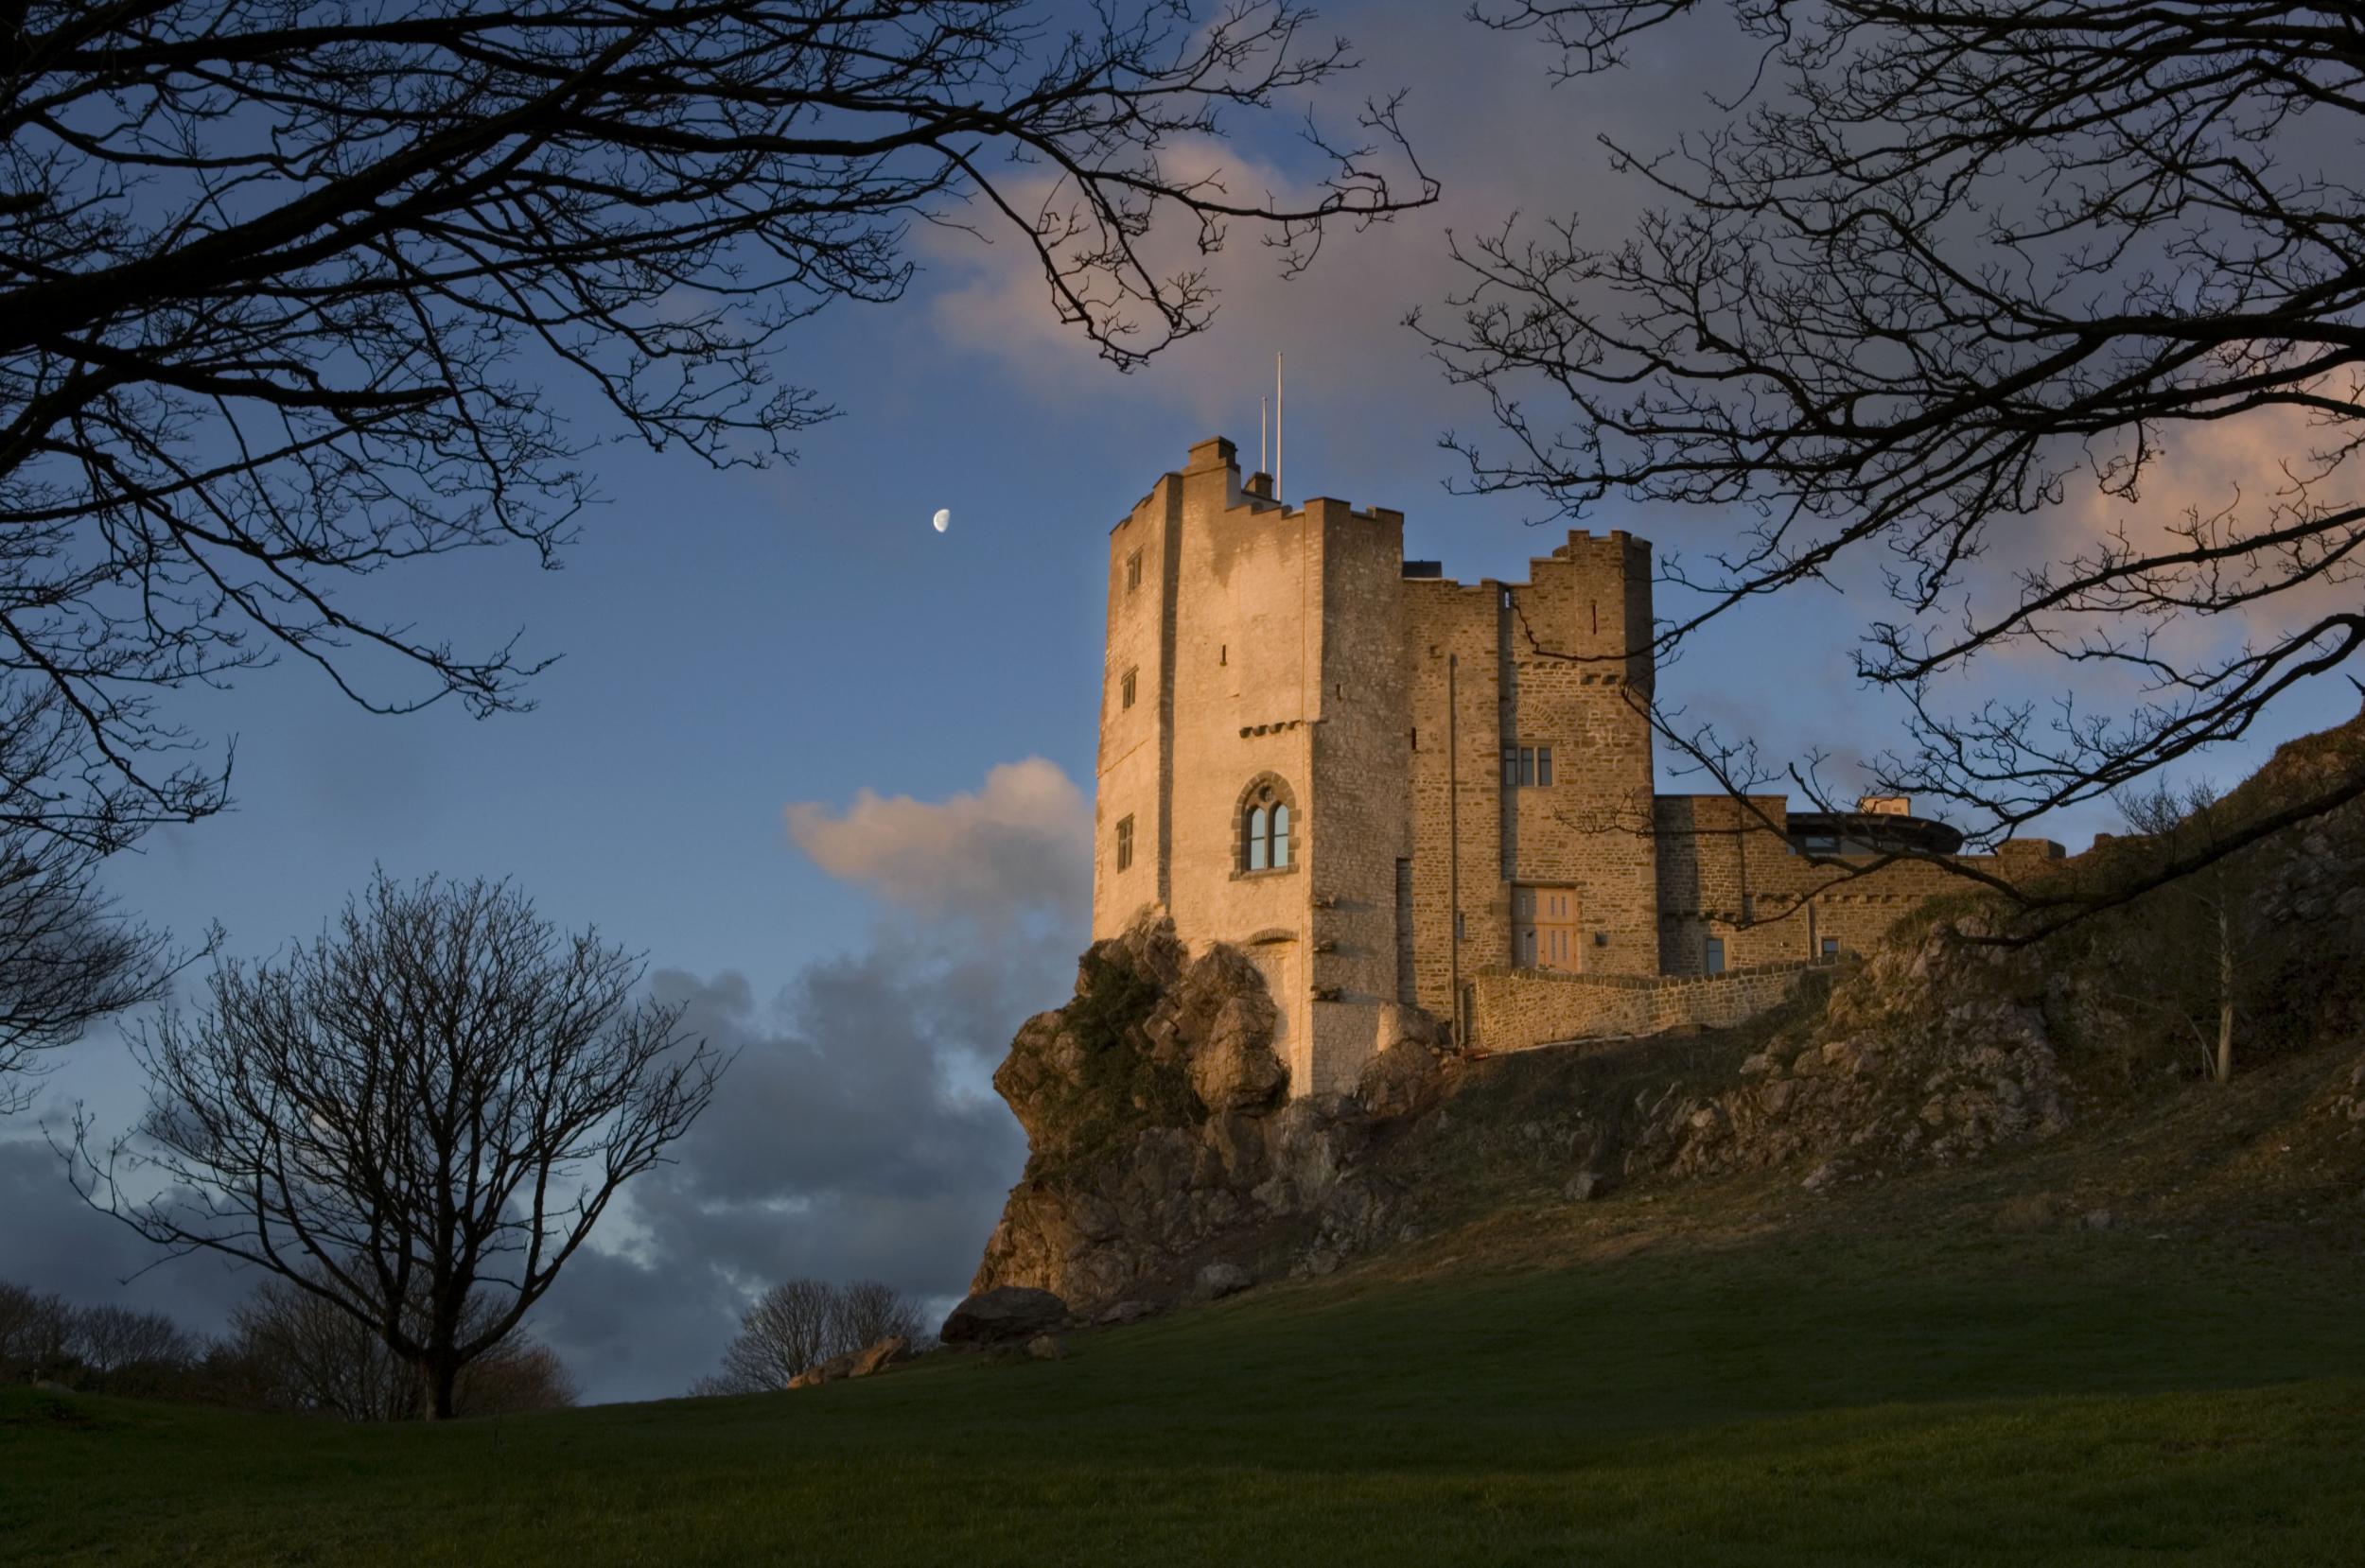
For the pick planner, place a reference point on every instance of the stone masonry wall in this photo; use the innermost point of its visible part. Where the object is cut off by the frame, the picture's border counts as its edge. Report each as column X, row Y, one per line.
column 1135, row 769
column 1722, row 873
column 1571, row 682
column 1520, row 1009
column 1360, row 752
column 1452, row 637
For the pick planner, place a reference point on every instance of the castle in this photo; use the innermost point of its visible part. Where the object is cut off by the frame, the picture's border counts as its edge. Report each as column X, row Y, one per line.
column 1391, row 789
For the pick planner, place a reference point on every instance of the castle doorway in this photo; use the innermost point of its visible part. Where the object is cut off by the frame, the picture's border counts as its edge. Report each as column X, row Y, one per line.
column 1544, row 928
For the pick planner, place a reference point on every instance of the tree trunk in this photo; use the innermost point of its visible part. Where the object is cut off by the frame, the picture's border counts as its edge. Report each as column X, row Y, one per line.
column 442, row 1379
column 2225, row 997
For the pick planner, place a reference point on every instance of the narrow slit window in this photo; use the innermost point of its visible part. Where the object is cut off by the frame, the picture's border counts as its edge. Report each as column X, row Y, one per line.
column 1125, row 843
column 1543, row 765
column 1125, row 688
column 1133, row 571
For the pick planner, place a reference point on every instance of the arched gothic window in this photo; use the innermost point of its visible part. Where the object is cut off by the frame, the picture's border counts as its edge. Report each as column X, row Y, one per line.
column 1264, row 826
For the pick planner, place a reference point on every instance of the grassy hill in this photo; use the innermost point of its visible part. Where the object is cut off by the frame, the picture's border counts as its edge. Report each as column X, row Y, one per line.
column 1702, row 1375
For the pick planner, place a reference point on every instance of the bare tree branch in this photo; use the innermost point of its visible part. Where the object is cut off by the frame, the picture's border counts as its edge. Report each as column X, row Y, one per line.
column 1949, row 266
column 418, row 1119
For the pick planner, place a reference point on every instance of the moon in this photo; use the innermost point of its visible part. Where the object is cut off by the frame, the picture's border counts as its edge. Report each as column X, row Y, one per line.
column 943, row 520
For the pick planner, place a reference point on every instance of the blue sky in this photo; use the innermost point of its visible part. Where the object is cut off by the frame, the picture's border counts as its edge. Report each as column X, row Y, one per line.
column 737, row 642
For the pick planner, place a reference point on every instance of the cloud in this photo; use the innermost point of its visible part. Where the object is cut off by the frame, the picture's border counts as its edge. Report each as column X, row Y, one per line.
column 50, row 1240
column 1021, row 845
column 856, row 1135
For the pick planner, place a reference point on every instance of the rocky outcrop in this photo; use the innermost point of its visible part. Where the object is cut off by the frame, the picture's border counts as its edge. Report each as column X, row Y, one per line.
column 875, row 1358
column 1163, row 1139
column 1002, row 1314
column 1936, row 1051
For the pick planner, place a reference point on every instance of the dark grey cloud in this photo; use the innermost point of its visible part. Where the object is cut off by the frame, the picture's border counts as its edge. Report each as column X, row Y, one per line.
column 50, row 1240
column 854, row 1137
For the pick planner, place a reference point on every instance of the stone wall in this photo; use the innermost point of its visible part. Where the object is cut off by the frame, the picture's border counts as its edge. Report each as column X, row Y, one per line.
column 1723, row 874
column 1520, row 1009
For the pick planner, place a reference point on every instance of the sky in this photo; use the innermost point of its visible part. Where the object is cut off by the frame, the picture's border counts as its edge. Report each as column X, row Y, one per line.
column 832, row 771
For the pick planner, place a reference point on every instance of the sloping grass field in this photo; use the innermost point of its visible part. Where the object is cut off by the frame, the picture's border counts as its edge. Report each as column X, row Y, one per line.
column 1870, row 1396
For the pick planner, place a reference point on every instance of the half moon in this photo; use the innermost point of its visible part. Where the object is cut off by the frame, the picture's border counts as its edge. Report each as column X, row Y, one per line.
column 943, row 520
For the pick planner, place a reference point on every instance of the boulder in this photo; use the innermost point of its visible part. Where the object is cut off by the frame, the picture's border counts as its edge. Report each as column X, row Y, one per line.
column 878, row 1356
column 1583, row 1187
column 1002, row 1314
column 1217, row 1281
column 1047, row 1346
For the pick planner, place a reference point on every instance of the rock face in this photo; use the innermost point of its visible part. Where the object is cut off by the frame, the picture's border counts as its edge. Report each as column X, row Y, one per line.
column 1002, row 1314
column 1936, row 1052
column 1161, row 1136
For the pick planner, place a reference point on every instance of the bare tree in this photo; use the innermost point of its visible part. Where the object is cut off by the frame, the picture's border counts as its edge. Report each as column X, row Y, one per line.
column 799, row 1324
column 1945, row 265
column 869, row 1311
column 297, row 1351
column 426, row 1109
column 2201, row 935
column 294, row 1350
column 36, row 1332
column 117, row 1343
column 789, row 1328
column 281, row 289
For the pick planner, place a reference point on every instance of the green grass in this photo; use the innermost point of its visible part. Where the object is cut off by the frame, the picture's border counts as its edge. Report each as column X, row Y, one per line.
column 1806, row 1398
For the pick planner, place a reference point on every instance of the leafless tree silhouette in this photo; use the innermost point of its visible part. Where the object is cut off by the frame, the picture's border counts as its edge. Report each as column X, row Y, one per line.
column 417, row 1119
column 1943, row 267
column 799, row 1323
column 282, row 285
column 289, row 1348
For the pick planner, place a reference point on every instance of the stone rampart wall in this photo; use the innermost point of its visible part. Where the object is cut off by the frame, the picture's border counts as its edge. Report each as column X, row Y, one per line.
column 1519, row 1009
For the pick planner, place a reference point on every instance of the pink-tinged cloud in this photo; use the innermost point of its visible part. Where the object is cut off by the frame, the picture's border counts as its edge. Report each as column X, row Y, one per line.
column 1021, row 845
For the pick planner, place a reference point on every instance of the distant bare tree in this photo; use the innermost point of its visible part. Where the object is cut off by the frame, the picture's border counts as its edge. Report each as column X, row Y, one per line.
column 282, row 287
column 36, row 1332
column 2199, row 935
column 118, row 1345
column 869, row 1311
column 789, row 1328
column 799, row 1324
column 419, row 1116
column 295, row 1351
column 1947, row 266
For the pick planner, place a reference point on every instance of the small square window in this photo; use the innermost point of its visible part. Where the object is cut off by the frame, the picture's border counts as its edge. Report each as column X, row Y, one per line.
column 1831, row 947
column 1125, row 843
column 1133, row 571
column 1124, row 689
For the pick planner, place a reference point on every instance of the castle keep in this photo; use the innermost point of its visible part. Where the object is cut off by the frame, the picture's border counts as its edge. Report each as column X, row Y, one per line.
column 1388, row 788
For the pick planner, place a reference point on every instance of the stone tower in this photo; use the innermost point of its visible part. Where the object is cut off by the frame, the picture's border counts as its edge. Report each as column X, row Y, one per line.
column 1377, row 782
column 1255, row 736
